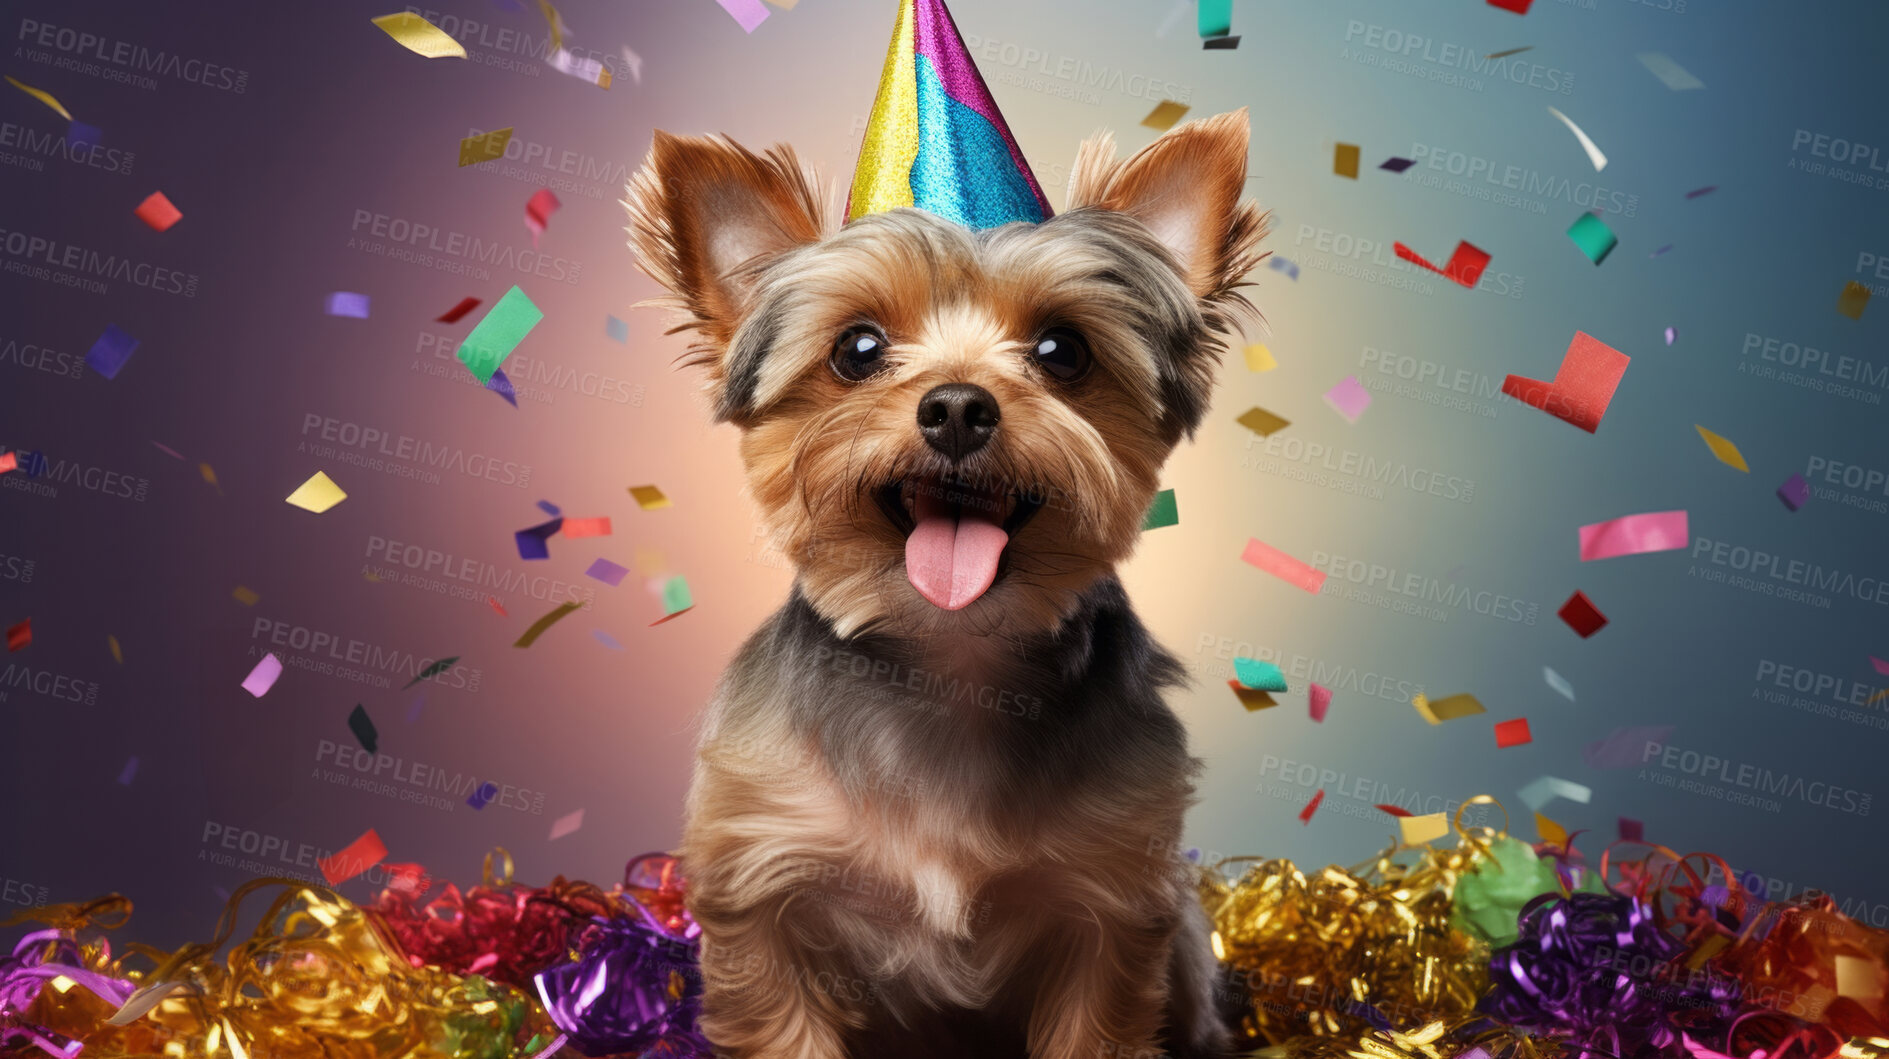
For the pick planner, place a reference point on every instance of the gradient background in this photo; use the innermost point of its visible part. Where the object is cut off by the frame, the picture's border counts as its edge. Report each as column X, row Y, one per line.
column 334, row 120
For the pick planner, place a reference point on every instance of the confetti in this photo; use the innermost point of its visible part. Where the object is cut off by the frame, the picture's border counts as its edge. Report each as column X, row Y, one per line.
column 1558, row 682
column 1259, row 358
column 676, row 598
column 1511, row 51
column 1214, row 18
column 747, row 14
column 43, row 97
column 606, row 639
column 1706, row 190
column 498, row 333
column 318, row 494
column 1625, row 747
column 348, row 303
column 1251, row 698
column 485, row 147
column 1552, row 833
column 534, row 543
column 1305, row 814
column 1512, row 733
column 538, row 627
column 1853, row 300
column 1282, row 566
column 263, row 676
column 209, row 475
column 1319, row 701
column 1670, row 73
column 129, row 772
column 1397, row 165
column 1631, row 830
column 586, row 527
column 1661, row 250
column 616, row 329
column 1464, row 268
column 1583, row 385
column 168, row 451
column 538, row 211
column 589, row 71
column 1220, row 43
column 1429, row 827
column 635, row 63
column 1394, row 810
column 433, row 670
column 245, row 595
column 83, row 136
column 1162, row 512
column 18, row 636
column 567, row 824
column 360, row 855
column 1723, row 448
column 502, row 385
column 1349, row 398
column 1344, row 161
column 1261, row 422
column 1654, row 531
column 1581, row 615
column 8, row 461
column 492, row 601
column 1450, row 708
column 649, row 498
column 549, row 508
column 1164, row 115
column 482, row 797
column 109, row 354
column 458, row 312
column 1258, row 675
column 363, row 728
column 118, row 654
column 156, row 210
column 1594, row 154
column 419, row 36
column 1593, row 237
column 1879, row 665
column 1280, row 264
column 1794, row 491
column 606, row 571
column 1544, row 789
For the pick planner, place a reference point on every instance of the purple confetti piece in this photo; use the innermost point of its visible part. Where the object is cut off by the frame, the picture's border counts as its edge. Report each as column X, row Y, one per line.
column 534, row 543
column 129, row 773
column 413, row 711
column 606, row 639
column 1397, row 165
column 1661, row 250
column 484, row 795
column 1671, row 334
column 1794, row 491
column 110, row 352
column 348, row 303
column 79, row 134
column 1706, row 190
column 608, row 572
column 502, row 386
column 549, row 508
column 1280, row 264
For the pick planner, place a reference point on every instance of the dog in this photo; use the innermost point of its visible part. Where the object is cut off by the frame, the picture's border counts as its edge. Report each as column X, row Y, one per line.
column 938, row 799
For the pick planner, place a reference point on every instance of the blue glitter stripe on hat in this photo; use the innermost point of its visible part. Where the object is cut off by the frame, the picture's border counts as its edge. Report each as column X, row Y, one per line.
column 964, row 171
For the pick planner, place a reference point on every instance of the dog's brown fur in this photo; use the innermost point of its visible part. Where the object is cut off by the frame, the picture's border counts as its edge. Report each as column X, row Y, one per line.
column 1063, row 913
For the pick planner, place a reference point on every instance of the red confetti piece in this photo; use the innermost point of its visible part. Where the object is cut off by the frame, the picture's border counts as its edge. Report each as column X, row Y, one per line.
column 1393, row 810
column 496, row 605
column 20, row 635
column 1581, row 615
column 538, row 212
column 454, row 314
column 8, row 461
column 586, row 527
column 158, row 212
column 1520, row 7
column 1512, row 733
column 361, row 854
column 1583, row 386
column 1465, row 265
column 1305, row 814
column 1283, row 566
column 1631, row 830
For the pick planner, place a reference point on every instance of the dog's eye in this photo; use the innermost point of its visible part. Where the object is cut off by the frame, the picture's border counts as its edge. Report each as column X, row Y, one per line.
column 1063, row 354
column 859, row 354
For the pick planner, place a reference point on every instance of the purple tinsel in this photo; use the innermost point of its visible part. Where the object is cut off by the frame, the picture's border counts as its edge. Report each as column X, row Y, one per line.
column 633, row 988
column 1597, row 969
column 38, row 958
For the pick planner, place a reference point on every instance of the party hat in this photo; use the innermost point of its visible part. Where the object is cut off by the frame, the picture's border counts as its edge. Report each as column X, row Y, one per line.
column 935, row 139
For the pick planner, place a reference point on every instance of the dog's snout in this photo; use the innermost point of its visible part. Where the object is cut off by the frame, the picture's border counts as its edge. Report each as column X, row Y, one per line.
column 957, row 418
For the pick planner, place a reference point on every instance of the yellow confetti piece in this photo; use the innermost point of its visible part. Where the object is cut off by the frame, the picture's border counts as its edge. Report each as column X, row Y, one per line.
column 1726, row 452
column 649, row 498
column 209, row 475
column 118, row 655
column 419, row 36
column 485, row 147
column 556, row 22
column 245, row 595
column 43, row 96
column 1259, row 358
column 318, row 494
column 650, row 562
column 1262, row 422
column 784, row 5
column 1344, row 160
column 1164, row 115
column 1552, row 833
column 1851, row 303
column 1707, row 949
column 1420, row 829
column 1447, row 709
column 1251, row 698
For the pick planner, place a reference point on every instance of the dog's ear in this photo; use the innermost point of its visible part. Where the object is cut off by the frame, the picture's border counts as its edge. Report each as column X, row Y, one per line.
column 706, row 216
column 1186, row 187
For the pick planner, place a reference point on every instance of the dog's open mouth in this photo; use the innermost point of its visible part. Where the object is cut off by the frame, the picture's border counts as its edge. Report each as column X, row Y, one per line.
column 955, row 534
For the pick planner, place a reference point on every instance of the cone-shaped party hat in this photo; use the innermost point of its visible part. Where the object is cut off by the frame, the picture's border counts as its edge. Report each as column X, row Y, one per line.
column 935, row 139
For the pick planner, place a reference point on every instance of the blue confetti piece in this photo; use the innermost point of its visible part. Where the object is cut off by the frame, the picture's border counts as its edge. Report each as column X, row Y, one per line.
column 616, row 329
column 549, row 508
column 111, row 351
column 484, row 795
column 1258, row 675
column 534, row 543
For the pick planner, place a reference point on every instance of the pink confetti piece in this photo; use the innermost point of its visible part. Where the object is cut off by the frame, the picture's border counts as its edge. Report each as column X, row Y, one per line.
column 1349, row 398
column 168, row 451
column 746, row 13
column 538, row 212
column 264, row 676
column 1320, row 701
column 567, row 824
column 1655, row 531
column 1283, row 566
column 1881, row 666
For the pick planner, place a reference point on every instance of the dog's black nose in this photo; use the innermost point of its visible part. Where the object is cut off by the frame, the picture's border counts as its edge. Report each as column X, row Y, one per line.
column 957, row 418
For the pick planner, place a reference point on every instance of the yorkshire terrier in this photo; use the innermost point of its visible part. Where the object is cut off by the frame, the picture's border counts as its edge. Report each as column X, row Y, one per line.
column 939, row 798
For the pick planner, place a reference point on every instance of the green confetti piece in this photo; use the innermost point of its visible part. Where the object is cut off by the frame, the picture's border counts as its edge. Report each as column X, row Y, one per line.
column 538, row 627
column 1216, row 18
column 675, row 595
column 1162, row 512
column 1258, row 675
column 433, row 670
column 1592, row 235
column 498, row 333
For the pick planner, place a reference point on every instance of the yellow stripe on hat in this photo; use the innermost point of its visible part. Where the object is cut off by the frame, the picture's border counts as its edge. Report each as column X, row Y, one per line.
column 883, row 179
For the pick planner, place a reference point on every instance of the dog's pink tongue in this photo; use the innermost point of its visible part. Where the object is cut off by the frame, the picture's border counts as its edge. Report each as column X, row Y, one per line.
column 951, row 557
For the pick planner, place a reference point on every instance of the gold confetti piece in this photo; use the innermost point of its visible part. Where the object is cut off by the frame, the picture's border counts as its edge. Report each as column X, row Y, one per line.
column 1447, row 709
column 1420, row 829
column 118, row 655
column 649, row 498
column 371, row 576
column 318, row 494
column 209, row 474
column 1707, row 949
column 1511, row 51
column 245, row 595
column 485, row 147
column 650, row 562
column 1858, row 978
column 1726, row 452
column 1261, row 422
column 43, row 96
column 419, row 36
column 555, row 21
column 1251, row 698
column 1259, row 358
column 1853, row 300
column 1164, row 115
column 1552, row 833
column 1344, row 160
column 538, row 627
column 784, row 5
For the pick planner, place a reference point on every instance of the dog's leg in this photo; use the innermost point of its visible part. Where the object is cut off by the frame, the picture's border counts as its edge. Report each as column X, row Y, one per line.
column 760, row 999
column 1104, row 997
column 1195, row 1029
